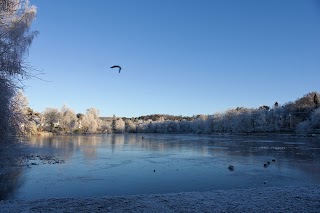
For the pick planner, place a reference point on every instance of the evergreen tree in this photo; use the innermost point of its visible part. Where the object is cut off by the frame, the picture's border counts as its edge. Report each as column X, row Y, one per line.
column 114, row 125
column 316, row 100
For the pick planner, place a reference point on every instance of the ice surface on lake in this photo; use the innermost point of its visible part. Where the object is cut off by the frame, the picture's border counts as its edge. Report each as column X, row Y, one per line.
column 100, row 165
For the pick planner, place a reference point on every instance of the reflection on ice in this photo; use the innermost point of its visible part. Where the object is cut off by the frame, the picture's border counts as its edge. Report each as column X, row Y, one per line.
column 99, row 165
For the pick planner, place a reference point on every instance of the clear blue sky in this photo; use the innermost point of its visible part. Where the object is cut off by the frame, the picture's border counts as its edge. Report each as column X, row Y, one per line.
column 181, row 57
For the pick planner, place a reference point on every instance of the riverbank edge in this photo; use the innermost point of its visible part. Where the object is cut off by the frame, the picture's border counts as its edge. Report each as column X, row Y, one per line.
column 265, row 199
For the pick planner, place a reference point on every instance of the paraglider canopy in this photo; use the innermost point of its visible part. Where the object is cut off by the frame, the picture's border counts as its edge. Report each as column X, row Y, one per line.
column 116, row 66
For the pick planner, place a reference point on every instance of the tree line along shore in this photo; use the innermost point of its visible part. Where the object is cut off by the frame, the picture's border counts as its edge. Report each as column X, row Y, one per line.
column 301, row 116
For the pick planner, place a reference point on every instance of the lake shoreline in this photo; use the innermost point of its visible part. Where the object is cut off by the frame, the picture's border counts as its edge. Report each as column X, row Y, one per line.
column 265, row 199
column 285, row 134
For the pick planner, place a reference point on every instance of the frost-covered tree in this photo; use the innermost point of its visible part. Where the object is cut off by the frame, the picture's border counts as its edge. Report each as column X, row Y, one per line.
column 260, row 120
column 15, row 37
column 242, row 121
column 16, row 17
column 315, row 119
column 218, row 122
column 51, row 118
column 310, row 125
column 119, row 126
column 185, row 126
column 140, row 126
column 198, row 125
column 91, row 121
column 106, row 128
column 68, row 119
column 130, row 126
column 150, row 127
column 304, row 127
column 22, row 119
column 305, row 104
column 19, row 107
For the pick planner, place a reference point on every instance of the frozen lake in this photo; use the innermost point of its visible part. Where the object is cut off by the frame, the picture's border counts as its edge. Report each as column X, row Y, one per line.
column 100, row 165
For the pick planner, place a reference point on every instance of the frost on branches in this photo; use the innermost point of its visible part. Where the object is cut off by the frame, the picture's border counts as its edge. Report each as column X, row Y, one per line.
column 16, row 17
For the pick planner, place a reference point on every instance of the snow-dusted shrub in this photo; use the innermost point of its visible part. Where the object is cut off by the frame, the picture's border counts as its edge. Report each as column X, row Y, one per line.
column 68, row 119
column 91, row 121
column 119, row 126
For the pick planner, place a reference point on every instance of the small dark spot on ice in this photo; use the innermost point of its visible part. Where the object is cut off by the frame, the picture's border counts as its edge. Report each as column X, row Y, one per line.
column 154, row 170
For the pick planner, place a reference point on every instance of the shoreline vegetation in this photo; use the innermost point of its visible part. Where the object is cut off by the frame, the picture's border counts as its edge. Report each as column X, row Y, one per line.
column 300, row 117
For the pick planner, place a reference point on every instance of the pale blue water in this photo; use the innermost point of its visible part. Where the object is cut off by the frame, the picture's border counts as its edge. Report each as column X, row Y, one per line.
column 102, row 165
